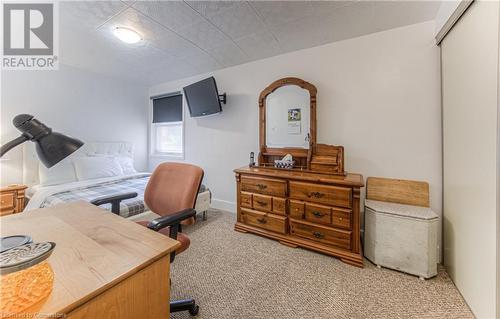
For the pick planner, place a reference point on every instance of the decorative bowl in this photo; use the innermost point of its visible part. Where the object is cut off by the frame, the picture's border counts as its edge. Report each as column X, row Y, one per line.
column 26, row 277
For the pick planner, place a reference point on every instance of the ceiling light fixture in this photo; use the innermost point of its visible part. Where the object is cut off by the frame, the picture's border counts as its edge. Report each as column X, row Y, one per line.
column 127, row 35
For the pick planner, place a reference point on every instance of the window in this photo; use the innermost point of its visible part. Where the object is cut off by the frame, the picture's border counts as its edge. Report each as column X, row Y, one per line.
column 167, row 127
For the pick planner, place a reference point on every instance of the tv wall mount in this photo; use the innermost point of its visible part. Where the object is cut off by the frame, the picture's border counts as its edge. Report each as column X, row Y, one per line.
column 222, row 98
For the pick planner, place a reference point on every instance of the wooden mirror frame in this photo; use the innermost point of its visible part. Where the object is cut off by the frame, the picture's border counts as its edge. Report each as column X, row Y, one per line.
column 302, row 156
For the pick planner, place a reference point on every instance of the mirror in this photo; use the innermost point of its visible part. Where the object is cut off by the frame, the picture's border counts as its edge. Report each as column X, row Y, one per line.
column 287, row 122
column 287, row 117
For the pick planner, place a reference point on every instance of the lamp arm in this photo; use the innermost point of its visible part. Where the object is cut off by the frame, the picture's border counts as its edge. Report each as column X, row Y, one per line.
column 10, row 145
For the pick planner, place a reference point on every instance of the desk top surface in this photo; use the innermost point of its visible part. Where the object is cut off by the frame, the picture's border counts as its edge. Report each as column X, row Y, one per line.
column 94, row 251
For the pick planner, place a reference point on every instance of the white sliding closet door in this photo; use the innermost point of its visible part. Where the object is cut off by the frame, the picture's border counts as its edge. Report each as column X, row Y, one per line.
column 470, row 67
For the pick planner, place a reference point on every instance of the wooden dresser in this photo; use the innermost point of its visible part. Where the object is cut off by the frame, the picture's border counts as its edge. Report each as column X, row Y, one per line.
column 315, row 211
column 12, row 199
column 313, row 203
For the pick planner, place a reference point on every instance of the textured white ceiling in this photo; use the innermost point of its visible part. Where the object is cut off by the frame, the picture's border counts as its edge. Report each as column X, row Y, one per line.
column 184, row 38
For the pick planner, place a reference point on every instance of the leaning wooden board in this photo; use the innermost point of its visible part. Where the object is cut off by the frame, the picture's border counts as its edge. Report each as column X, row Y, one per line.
column 398, row 191
column 104, row 265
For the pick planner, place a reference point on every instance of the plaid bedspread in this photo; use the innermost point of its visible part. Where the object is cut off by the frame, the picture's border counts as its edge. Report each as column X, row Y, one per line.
column 128, row 207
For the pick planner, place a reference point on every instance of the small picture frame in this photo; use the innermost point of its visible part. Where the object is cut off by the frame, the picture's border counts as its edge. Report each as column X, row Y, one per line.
column 294, row 115
column 294, row 121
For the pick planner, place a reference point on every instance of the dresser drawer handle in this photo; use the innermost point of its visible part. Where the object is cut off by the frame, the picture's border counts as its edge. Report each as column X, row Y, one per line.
column 318, row 214
column 341, row 219
column 318, row 235
column 261, row 186
column 262, row 220
column 261, row 203
column 316, row 194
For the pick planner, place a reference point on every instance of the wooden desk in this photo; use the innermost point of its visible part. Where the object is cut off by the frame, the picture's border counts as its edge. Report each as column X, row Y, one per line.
column 104, row 265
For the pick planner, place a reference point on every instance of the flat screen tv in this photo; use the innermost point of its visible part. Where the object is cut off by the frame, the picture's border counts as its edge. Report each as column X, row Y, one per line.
column 203, row 98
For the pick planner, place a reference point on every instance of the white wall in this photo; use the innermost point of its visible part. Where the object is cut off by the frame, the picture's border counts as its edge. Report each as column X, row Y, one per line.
column 86, row 105
column 445, row 11
column 378, row 95
column 498, row 182
column 470, row 68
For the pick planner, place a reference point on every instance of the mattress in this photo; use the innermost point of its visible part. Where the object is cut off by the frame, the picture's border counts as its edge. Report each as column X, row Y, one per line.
column 40, row 196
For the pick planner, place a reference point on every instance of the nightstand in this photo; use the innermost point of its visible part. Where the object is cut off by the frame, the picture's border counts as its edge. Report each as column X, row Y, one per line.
column 12, row 199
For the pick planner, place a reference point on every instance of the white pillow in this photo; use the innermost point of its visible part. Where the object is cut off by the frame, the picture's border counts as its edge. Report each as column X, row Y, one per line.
column 62, row 172
column 127, row 164
column 96, row 167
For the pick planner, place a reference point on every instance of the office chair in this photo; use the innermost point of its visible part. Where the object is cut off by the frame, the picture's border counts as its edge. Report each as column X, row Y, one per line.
column 171, row 193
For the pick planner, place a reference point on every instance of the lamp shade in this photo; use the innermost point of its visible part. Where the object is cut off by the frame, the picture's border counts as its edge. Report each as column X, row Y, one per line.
column 54, row 147
column 51, row 147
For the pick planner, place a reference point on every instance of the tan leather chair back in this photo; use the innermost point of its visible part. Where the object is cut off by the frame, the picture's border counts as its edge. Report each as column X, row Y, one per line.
column 173, row 187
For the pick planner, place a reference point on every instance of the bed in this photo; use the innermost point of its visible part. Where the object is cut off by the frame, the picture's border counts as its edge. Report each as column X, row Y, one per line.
column 57, row 185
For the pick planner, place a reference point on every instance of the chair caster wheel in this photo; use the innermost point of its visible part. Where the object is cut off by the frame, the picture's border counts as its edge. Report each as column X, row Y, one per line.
column 194, row 311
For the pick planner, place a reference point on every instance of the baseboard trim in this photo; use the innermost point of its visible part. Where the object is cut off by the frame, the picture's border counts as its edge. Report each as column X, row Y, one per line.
column 223, row 205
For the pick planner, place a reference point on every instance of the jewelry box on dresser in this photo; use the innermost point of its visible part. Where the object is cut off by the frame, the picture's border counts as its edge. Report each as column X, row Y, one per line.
column 315, row 204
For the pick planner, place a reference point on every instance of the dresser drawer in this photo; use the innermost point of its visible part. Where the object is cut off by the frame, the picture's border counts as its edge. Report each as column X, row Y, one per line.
column 342, row 218
column 279, row 206
column 7, row 202
column 263, row 203
column 266, row 186
column 246, row 199
column 296, row 209
column 267, row 221
column 324, row 194
column 326, row 235
column 318, row 214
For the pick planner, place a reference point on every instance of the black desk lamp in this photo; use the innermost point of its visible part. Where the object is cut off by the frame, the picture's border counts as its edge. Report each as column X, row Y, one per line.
column 51, row 147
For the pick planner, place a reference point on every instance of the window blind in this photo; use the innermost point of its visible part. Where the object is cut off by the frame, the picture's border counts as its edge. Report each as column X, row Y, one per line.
column 167, row 109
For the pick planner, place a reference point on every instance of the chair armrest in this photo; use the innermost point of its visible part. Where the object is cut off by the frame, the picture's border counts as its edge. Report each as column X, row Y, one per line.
column 114, row 200
column 174, row 221
column 171, row 220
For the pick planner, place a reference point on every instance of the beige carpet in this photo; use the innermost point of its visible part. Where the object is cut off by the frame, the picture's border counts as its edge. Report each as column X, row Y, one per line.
column 235, row 275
